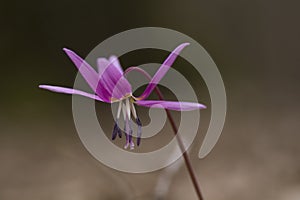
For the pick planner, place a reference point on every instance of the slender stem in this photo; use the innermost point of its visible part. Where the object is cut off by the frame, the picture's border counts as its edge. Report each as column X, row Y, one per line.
column 175, row 130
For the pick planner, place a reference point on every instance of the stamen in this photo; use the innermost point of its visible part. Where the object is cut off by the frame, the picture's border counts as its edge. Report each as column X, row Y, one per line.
column 139, row 131
column 126, row 129
column 128, row 108
column 138, row 122
column 125, row 125
column 124, row 111
column 118, row 117
column 128, row 126
column 133, row 110
column 116, row 130
column 129, row 131
column 119, row 110
column 130, row 136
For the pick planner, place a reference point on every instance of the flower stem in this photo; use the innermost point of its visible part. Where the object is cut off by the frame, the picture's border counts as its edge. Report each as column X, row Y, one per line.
column 175, row 130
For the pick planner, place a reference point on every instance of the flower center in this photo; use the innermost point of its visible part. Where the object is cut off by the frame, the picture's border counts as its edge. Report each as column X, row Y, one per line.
column 113, row 99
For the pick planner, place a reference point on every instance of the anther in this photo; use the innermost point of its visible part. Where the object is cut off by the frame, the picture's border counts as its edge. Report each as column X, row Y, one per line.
column 116, row 130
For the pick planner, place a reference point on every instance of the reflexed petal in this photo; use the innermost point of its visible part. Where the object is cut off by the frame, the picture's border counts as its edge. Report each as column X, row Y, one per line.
column 112, row 83
column 69, row 91
column 103, row 64
column 116, row 62
column 88, row 73
column 171, row 105
column 162, row 71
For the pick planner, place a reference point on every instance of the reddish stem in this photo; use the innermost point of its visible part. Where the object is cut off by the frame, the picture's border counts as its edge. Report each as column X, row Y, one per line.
column 175, row 130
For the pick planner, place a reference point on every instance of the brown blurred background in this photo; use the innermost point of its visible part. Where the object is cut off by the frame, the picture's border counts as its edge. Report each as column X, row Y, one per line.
column 256, row 46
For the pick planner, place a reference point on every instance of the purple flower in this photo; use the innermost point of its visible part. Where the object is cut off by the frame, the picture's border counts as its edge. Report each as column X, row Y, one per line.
column 111, row 86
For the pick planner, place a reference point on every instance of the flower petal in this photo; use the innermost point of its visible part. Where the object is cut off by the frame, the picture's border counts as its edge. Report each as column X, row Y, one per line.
column 162, row 70
column 103, row 64
column 171, row 105
column 116, row 62
column 88, row 73
column 112, row 83
column 69, row 91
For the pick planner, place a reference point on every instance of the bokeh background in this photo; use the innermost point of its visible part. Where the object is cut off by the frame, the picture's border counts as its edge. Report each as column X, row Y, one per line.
column 256, row 46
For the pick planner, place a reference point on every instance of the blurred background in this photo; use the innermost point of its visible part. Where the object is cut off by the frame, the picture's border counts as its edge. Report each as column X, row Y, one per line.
column 256, row 46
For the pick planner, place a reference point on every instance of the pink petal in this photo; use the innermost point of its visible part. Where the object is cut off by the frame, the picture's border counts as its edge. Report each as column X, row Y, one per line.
column 103, row 64
column 69, row 91
column 162, row 70
column 116, row 62
column 171, row 105
column 112, row 83
column 88, row 73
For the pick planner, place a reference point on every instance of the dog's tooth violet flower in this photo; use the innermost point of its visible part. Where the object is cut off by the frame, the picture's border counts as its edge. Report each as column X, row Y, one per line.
column 111, row 86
